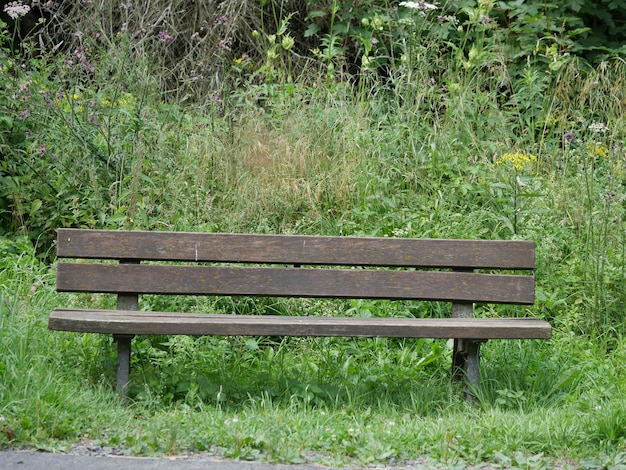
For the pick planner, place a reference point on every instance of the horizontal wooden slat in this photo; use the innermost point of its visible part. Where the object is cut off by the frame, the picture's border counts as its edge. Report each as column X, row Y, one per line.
column 295, row 282
column 128, row 322
column 295, row 249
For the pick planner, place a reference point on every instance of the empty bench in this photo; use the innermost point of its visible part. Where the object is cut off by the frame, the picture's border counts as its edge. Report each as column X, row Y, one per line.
column 219, row 264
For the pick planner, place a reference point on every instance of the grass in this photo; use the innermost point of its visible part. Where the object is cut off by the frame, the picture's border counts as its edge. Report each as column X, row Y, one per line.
column 420, row 154
column 330, row 401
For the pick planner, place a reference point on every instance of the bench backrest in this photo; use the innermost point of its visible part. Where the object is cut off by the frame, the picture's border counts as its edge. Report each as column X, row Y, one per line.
column 296, row 266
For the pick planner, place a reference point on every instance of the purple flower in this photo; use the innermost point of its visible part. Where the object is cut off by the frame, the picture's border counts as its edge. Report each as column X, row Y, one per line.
column 165, row 37
column 569, row 137
column 225, row 44
column 220, row 20
column 80, row 56
column 24, row 114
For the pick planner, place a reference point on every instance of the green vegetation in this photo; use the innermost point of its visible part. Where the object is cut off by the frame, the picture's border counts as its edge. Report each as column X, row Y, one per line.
column 445, row 123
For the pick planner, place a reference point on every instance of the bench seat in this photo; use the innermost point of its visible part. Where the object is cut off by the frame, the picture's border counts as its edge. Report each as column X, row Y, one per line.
column 166, row 323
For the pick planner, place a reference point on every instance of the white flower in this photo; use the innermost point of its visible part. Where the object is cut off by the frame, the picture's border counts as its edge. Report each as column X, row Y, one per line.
column 598, row 127
column 419, row 5
column 16, row 9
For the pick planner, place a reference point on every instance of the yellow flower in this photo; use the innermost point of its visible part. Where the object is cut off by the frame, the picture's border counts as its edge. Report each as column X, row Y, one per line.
column 517, row 160
column 598, row 150
column 125, row 100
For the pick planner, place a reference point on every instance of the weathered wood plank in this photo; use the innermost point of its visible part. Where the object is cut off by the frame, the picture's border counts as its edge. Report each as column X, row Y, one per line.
column 295, row 282
column 295, row 249
column 131, row 322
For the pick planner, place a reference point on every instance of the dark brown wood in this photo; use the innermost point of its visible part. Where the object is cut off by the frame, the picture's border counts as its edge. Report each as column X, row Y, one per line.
column 461, row 353
column 131, row 322
column 295, row 282
column 295, row 249
column 123, row 364
column 385, row 268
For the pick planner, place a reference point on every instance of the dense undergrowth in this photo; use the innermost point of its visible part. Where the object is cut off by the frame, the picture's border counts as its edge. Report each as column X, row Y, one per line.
column 456, row 139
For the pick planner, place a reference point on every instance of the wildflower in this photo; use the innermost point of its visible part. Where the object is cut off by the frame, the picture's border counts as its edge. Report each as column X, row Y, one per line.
column 225, row 44
column 16, row 9
column 598, row 150
column 220, row 20
column 79, row 57
column 419, row 5
column 518, row 160
column 569, row 137
column 287, row 42
column 400, row 232
column 598, row 127
column 24, row 114
column 165, row 37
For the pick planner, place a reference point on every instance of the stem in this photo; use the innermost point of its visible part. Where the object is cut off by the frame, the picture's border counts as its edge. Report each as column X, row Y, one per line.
column 515, row 202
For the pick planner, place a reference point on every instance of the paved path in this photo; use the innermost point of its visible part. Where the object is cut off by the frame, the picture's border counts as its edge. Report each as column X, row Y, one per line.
column 33, row 460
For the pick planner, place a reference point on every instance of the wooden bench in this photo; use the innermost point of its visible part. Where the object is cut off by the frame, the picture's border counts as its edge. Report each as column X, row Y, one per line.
column 296, row 266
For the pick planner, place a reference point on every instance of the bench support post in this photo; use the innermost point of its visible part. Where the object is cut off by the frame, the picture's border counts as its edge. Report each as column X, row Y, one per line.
column 123, row 364
column 466, row 353
column 466, row 364
column 124, row 302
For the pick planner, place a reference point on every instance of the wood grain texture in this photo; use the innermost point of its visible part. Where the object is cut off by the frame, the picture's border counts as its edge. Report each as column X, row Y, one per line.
column 131, row 322
column 295, row 249
column 295, row 282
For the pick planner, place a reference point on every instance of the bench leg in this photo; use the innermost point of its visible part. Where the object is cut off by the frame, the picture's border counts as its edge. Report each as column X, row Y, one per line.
column 124, row 302
column 123, row 364
column 466, row 364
